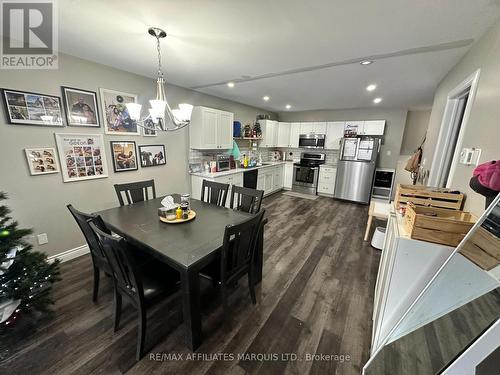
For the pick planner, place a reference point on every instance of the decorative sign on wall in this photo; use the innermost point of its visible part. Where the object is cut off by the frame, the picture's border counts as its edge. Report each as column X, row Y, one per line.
column 116, row 117
column 82, row 156
column 124, row 156
column 152, row 155
column 42, row 160
column 81, row 107
column 29, row 108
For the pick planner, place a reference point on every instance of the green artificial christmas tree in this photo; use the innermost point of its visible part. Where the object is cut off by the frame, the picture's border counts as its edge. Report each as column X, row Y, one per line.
column 26, row 277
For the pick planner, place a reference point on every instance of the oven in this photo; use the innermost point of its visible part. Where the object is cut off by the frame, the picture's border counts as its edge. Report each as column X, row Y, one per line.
column 223, row 163
column 306, row 173
column 311, row 141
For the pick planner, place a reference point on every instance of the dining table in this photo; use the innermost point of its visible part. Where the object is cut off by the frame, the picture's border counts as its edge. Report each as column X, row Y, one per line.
column 186, row 247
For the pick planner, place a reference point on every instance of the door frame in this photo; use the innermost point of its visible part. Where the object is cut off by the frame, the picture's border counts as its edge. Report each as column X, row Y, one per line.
column 450, row 112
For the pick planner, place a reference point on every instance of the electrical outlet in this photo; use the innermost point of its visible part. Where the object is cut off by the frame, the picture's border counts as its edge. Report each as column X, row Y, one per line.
column 42, row 238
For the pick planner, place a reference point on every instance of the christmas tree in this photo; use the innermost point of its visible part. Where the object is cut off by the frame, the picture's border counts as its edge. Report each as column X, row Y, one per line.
column 26, row 277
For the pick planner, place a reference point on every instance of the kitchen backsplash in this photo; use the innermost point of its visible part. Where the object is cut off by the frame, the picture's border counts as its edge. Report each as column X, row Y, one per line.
column 199, row 156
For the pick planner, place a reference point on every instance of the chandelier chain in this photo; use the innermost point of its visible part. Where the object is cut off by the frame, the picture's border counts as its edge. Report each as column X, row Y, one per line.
column 158, row 48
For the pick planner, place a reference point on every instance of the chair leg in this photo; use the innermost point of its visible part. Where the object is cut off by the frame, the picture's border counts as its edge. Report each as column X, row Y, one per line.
column 251, row 286
column 141, row 332
column 118, row 310
column 224, row 302
column 96, row 285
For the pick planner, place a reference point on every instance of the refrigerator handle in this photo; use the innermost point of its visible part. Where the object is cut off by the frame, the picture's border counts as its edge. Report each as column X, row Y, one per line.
column 379, row 145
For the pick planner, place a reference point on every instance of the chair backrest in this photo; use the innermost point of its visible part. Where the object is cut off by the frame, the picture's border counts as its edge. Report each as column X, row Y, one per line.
column 117, row 251
column 135, row 191
column 248, row 200
column 239, row 246
column 216, row 193
column 83, row 220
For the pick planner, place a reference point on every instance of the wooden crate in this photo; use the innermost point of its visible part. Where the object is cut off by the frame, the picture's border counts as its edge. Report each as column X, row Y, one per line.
column 428, row 196
column 482, row 248
column 447, row 227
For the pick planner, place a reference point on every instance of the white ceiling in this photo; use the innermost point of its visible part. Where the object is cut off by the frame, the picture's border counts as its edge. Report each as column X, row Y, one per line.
column 212, row 42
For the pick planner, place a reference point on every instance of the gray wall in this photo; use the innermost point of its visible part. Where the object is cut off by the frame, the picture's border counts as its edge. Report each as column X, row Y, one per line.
column 39, row 201
column 416, row 126
column 483, row 128
column 395, row 124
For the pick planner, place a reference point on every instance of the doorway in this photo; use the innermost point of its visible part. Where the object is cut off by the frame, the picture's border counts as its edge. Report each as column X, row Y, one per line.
column 453, row 125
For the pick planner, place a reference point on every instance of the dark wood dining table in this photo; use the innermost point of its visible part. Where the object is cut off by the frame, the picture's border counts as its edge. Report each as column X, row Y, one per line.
column 186, row 247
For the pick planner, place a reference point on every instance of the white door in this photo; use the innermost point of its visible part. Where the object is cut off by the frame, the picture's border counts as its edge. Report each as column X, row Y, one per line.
column 319, row 128
column 268, row 133
column 294, row 134
column 288, row 176
column 278, row 177
column 374, row 127
column 261, row 180
column 210, row 119
column 225, row 130
column 306, row 127
column 283, row 134
column 275, row 133
column 334, row 133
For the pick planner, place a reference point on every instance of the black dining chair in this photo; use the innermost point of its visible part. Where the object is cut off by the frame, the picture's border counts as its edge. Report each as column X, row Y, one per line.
column 99, row 261
column 216, row 192
column 135, row 191
column 237, row 257
column 142, row 287
column 248, row 200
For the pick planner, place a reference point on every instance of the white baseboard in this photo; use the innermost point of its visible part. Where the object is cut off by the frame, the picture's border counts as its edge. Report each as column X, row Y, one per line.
column 70, row 254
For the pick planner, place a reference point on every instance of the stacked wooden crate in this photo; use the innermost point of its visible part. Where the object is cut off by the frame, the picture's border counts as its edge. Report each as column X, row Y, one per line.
column 428, row 196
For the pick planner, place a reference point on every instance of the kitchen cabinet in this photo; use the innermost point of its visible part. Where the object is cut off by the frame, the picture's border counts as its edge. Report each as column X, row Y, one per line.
column 231, row 179
column 405, row 268
column 210, row 129
column 326, row 180
column 288, row 176
column 283, row 134
column 294, row 134
column 269, row 133
column 373, row 127
column 278, row 178
column 354, row 126
column 306, row 127
column 334, row 133
column 270, row 179
column 319, row 127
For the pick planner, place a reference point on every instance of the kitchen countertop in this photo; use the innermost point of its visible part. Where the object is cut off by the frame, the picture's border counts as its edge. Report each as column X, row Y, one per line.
column 238, row 170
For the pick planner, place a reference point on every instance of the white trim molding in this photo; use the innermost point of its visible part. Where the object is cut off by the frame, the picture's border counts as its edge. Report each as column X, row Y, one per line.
column 70, row 254
column 437, row 167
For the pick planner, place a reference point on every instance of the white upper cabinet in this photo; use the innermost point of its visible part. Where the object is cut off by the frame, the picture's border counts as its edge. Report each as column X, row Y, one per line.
column 210, row 129
column 355, row 126
column 334, row 132
column 306, row 127
column 294, row 134
column 269, row 133
column 319, row 127
column 283, row 134
column 225, row 130
column 373, row 127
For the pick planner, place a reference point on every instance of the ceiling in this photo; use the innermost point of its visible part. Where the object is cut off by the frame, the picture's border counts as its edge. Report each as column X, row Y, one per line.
column 303, row 53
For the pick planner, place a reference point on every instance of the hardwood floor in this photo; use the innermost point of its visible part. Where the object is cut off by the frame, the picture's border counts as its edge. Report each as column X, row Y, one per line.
column 316, row 297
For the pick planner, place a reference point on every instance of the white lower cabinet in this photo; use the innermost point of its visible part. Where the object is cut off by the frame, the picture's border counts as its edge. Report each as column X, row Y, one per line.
column 270, row 179
column 231, row 179
column 326, row 180
column 288, row 176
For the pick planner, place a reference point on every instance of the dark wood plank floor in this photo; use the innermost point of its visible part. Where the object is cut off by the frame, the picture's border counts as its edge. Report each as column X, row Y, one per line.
column 315, row 298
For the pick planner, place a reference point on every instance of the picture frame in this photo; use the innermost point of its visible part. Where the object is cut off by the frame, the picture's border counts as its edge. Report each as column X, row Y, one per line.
column 81, row 107
column 82, row 156
column 42, row 160
column 116, row 118
column 30, row 108
column 152, row 132
column 124, row 154
column 152, row 155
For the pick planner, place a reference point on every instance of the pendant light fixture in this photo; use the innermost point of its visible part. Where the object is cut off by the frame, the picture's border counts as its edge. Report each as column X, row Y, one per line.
column 175, row 118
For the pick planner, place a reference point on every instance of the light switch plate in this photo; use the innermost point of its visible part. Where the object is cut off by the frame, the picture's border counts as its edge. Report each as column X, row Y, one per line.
column 42, row 238
column 469, row 156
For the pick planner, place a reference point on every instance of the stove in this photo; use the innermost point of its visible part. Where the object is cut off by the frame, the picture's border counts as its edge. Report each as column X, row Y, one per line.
column 306, row 173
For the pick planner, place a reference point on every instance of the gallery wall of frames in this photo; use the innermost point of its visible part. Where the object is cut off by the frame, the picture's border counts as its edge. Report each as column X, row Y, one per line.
column 83, row 156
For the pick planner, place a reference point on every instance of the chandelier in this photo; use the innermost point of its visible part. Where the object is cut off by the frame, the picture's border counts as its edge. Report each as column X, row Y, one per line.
column 156, row 118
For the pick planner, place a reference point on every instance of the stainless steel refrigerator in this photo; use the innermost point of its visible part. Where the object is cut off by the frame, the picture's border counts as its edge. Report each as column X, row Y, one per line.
column 356, row 168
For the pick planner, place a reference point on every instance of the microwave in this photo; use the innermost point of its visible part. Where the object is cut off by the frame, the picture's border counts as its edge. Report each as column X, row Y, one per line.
column 312, row 141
